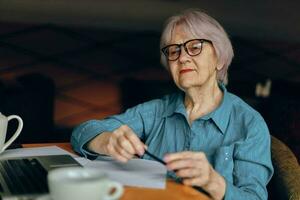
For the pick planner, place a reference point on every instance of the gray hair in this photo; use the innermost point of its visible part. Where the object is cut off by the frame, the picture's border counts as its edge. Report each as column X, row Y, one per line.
column 201, row 26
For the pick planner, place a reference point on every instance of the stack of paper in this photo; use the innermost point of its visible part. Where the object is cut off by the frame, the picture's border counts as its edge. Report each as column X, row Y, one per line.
column 136, row 172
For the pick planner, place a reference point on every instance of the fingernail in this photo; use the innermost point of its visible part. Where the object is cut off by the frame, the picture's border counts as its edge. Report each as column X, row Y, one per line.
column 141, row 152
column 166, row 158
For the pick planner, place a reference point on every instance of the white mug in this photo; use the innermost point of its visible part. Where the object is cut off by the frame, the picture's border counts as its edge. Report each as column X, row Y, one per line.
column 3, row 128
column 78, row 183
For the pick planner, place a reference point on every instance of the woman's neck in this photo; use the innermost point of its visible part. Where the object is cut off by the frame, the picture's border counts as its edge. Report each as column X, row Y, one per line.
column 200, row 101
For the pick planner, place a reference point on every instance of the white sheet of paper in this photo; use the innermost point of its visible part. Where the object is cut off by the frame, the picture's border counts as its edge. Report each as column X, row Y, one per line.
column 34, row 151
column 136, row 172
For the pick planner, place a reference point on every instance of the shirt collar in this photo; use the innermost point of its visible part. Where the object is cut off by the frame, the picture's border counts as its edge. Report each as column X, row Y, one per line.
column 176, row 105
column 220, row 115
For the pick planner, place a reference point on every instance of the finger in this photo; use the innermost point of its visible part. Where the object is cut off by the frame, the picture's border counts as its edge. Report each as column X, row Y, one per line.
column 120, row 158
column 201, row 178
column 184, row 155
column 181, row 163
column 126, row 145
column 135, row 141
column 112, row 148
column 122, row 152
column 115, row 154
column 145, row 146
column 196, row 181
column 188, row 173
column 119, row 141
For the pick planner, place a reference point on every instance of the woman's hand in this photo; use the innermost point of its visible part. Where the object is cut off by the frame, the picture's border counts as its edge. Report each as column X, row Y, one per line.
column 122, row 144
column 195, row 170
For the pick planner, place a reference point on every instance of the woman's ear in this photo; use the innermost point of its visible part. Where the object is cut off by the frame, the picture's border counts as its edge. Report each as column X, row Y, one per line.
column 219, row 61
column 219, row 65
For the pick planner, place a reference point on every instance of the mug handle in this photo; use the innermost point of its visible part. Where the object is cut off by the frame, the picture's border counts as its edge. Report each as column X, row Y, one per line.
column 17, row 133
column 117, row 192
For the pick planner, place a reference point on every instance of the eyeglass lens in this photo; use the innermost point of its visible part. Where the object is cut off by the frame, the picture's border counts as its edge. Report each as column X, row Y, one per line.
column 192, row 47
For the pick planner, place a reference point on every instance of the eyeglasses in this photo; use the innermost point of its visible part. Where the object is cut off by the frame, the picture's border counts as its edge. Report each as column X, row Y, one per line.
column 192, row 47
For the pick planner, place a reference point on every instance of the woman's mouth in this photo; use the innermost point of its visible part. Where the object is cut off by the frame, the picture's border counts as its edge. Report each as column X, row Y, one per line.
column 185, row 71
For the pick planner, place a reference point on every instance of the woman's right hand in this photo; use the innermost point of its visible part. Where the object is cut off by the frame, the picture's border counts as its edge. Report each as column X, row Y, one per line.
column 122, row 144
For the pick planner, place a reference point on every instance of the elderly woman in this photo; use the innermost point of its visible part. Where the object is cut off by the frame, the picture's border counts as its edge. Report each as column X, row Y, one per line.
column 208, row 136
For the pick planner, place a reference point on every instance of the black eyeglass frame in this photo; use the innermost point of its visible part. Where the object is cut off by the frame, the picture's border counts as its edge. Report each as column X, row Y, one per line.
column 164, row 49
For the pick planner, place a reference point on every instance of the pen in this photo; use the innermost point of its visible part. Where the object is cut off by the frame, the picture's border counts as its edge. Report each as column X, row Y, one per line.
column 155, row 157
column 171, row 173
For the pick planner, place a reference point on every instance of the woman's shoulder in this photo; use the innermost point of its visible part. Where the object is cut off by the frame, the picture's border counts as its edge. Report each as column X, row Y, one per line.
column 242, row 109
column 160, row 105
column 247, row 118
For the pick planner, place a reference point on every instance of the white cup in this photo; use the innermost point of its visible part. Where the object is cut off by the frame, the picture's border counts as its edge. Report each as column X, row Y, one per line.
column 3, row 128
column 78, row 183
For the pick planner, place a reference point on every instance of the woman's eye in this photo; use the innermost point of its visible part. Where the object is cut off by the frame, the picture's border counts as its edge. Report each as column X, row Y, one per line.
column 196, row 46
column 173, row 51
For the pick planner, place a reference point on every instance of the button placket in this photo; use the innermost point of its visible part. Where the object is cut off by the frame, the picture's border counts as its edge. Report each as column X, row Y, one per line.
column 226, row 156
column 195, row 139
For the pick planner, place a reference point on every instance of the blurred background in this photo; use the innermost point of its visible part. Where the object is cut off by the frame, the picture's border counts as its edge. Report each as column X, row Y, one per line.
column 64, row 62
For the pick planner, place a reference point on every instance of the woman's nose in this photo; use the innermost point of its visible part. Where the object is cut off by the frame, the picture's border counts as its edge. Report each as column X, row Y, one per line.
column 184, row 56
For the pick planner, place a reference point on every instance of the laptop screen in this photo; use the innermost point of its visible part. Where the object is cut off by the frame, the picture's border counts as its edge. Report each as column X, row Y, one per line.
column 27, row 177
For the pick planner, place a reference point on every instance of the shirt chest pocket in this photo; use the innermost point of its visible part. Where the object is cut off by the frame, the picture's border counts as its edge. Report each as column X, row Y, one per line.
column 223, row 161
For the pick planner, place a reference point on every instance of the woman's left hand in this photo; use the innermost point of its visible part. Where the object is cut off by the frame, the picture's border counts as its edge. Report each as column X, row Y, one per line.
column 195, row 170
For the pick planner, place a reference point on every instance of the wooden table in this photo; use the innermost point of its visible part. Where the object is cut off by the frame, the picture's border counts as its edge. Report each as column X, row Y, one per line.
column 173, row 190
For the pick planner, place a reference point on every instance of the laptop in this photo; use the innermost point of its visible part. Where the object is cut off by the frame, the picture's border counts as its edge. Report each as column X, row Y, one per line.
column 26, row 177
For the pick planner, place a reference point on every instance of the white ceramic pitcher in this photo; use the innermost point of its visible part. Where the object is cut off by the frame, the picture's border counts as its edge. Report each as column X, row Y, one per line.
column 3, row 128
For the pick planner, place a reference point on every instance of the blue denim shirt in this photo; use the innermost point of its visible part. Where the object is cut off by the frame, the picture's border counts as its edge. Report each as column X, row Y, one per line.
column 234, row 137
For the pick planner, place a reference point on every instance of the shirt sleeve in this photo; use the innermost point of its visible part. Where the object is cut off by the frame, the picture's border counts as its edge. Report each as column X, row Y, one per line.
column 137, row 118
column 252, row 165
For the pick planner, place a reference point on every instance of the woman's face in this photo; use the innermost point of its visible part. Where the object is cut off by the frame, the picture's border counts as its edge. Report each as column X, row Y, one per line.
column 193, row 71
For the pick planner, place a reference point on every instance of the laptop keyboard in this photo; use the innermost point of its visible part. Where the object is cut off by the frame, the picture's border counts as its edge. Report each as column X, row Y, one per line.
column 24, row 176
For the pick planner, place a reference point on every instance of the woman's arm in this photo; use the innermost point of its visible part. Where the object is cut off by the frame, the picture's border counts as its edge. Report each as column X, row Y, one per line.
column 122, row 144
column 252, row 167
column 106, row 136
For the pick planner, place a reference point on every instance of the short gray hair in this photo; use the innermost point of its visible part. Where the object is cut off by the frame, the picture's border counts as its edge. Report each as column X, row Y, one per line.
column 201, row 26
